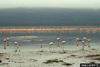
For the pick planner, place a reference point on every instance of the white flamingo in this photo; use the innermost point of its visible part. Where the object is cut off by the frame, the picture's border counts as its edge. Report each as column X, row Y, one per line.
column 51, row 44
column 6, row 40
column 41, row 43
column 58, row 42
column 88, row 44
column 83, row 45
column 5, row 43
column 63, row 42
column 58, row 38
column 85, row 38
column 17, row 46
column 78, row 41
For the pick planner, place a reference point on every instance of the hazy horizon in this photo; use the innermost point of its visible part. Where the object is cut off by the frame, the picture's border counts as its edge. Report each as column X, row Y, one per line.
column 95, row 4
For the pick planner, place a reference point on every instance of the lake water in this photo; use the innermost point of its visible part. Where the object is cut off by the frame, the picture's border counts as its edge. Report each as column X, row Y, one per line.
column 36, row 39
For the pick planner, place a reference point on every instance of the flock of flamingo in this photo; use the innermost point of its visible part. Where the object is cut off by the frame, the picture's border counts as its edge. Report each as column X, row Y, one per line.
column 83, row 42
column 6, row 44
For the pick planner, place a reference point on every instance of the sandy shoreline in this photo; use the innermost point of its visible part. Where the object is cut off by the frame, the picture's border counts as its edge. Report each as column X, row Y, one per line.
column 48, row 57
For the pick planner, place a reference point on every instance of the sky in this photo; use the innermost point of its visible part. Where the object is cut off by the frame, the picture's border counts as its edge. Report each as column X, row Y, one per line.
column 50, row 3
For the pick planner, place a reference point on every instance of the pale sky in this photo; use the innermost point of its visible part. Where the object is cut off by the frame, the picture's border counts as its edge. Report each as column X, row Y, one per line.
column 50, row 3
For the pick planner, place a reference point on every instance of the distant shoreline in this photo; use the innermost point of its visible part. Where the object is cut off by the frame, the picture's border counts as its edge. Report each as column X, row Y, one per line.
column 51, row 29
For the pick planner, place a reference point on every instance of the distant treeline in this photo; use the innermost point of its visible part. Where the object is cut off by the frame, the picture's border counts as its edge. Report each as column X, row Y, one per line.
column 49, row 17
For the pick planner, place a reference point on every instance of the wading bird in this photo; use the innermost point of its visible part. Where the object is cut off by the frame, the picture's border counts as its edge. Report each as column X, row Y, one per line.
column 87, row 41
column 41, row 43
column 83, row 45
column 78, row 41
column 51, row 44
column 58, row 42
column 5, row 41
column 83, row 42
column 17, row 46
column 63, row 42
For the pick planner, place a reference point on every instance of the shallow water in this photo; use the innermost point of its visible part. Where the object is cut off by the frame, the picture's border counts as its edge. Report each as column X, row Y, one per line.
column 34, row 39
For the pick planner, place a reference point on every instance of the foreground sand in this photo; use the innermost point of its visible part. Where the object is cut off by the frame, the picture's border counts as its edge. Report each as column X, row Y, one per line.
column 48, row 57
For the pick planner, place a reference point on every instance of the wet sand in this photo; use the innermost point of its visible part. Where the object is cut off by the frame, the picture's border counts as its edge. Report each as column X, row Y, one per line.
column 48, row 57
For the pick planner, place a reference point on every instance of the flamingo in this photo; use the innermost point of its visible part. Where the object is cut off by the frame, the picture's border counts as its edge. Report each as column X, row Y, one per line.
column 5, row 43
column 83, row 45
column 41, row 43
column 51, row 43
column 58, row 38
column 63, row 42
column 58, row 42
column 78, row 41
column 87, row 41
column 6, row 40
column 17, row 46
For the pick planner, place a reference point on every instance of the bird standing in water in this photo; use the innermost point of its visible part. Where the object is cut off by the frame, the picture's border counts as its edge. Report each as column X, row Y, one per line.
column 51, row 44
column 6, row 42
column 58, row 42
column 17, row 46
column 83, row 42
column 87, row 41
column 78, row 41
column 62, row 46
